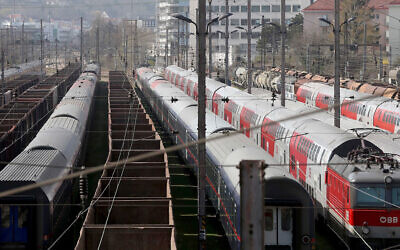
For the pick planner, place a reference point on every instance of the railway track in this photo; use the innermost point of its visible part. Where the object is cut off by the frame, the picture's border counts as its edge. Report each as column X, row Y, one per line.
column 132, row 203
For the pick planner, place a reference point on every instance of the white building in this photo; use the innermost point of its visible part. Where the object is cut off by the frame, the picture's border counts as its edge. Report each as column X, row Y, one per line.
column 165, row 8
column 393, row 33
column 238, row 40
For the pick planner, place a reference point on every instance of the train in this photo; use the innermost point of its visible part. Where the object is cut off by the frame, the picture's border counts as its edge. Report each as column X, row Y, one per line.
column 286, row 226
column 34, row 218
column 337, row 168
column 374, row 111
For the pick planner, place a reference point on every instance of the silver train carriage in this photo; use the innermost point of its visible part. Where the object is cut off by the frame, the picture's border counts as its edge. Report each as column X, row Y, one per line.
column 284, row 225
column 310, row 148
column 52, row 153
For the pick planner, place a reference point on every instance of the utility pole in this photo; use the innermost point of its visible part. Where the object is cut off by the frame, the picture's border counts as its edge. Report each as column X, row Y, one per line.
column 308, row 58
column 209, row 32
column 201, row 36
column 380, row 63
column 227, row 81
column 263, row 43
column 2, row 77
column 179, row 43
column 283, row 37
column 23, row 56
column 346, row 47
column 364, row 63
column 252, row 204
column 57, row 55
column 125, row 50
column 65, row 53
column 166, row 50
column 197, row 40
column 249, row 46
column 81, row 51
column 41, row 47
column 98, row 46
column 135, row 46
column 273, row 48
column 187, row 45
column 337, row 66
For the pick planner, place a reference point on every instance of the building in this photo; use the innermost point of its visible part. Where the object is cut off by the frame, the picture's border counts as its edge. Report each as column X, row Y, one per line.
column 147, row 23
column 393, row 34
column 325, row 8
column 165, row 8
column 238, row 40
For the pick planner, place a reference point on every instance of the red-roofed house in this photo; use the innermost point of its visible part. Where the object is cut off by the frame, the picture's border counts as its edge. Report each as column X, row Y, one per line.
column 325, row 8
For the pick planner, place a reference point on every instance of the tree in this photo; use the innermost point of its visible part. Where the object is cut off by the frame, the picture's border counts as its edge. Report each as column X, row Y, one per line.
column 362, row 13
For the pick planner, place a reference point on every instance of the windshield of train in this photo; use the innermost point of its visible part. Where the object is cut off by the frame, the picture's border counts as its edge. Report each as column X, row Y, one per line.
column 371, row 196
column 374, row 196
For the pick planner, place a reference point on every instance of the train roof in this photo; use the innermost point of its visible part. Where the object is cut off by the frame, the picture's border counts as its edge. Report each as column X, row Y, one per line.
column 213, row 123
column 33, row 166
column 365, row 173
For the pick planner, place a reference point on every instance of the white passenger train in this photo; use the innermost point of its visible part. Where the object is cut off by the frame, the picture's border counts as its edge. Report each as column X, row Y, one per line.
column 286, row 226
column 353, row 183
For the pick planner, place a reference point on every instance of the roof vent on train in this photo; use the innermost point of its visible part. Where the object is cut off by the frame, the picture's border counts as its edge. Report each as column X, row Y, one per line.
column 65, row 115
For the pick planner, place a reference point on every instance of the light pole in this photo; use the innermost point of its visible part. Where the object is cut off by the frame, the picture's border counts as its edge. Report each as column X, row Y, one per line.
column 248, row 31
column 227, row 81
column 209, row 41
column 336, row 87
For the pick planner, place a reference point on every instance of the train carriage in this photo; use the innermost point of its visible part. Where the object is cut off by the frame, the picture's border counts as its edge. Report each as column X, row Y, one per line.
column 33, row 218
column 295, row 231
column 311, row 156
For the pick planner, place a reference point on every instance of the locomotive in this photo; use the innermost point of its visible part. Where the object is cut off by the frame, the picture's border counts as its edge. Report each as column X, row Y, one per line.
column 351, row 180
column 285, row 226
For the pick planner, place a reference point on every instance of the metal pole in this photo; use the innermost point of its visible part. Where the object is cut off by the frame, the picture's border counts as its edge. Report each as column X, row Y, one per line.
column 337, row 66
column 249, row 46
column 2, row 77
column 98, row 45
column 136, row 51
column 252, row 204
column 273, row 47
column 41, row 47
column 166, row 49
column 364, row 53
column 197, row 42
column 308, row 58
column 263, row 43
column 346, row 47
column 187, row 46
column 209, row 32
column 283, row 37
column 125, row 49
column 179, row 43
column 56, row 55
column 319, row 60
column 202, row 121
column 81, row 52
column 380, row 63
column 23, row 56
column 227, row 81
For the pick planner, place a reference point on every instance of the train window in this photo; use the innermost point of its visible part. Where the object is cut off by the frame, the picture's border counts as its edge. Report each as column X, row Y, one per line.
column 371, row 196
column 22, row 216
column 5, row 216
column 286, row 219
column 348, row 194
column 396, row 195
column 269, row 220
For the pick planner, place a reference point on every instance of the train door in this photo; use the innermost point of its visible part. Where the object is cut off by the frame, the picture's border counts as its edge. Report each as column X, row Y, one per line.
column 278, row 230
column 14, row 224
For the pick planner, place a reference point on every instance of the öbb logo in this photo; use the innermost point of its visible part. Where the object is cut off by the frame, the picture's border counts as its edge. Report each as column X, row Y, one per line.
column 388, row 220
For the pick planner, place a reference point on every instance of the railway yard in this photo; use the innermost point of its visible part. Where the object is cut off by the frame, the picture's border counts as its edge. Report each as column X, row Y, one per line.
column 121, row 133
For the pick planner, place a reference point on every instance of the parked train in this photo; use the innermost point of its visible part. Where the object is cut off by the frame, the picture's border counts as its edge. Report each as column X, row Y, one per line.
column 374, row 111
column 285, row 226
column 52, row 153
column 351, row 180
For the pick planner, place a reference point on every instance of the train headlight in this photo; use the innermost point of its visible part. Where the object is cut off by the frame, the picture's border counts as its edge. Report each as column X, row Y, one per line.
column 388, row 179
column 365, row 228
column 306, row 239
